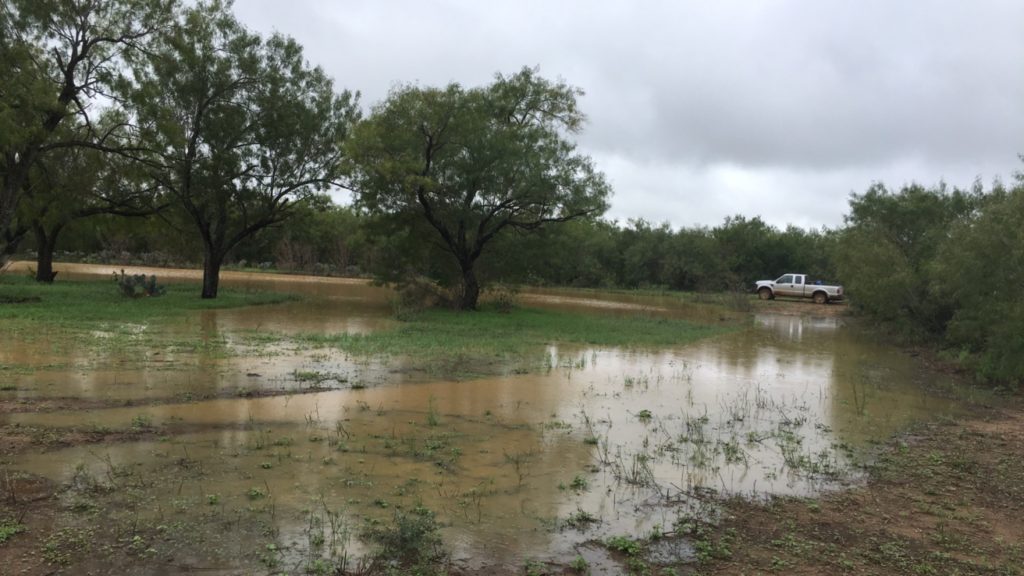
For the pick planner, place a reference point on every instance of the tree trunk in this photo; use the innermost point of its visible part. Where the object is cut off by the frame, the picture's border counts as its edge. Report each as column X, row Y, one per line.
column 8, row 236
column 45, row 246
column 212, row 261
column 470, row 288
column 15, row 175
column 9, row 240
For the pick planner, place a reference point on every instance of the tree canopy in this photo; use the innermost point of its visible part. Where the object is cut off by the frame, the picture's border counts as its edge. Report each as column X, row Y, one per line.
column 58, row 58
column 467, row 164
column 236, row 127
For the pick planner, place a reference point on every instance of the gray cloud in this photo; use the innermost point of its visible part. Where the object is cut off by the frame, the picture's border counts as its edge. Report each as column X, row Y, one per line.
column 699, row 110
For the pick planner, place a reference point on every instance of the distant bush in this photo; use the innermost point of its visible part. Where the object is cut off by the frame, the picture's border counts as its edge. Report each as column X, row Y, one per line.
column 138, row 285
column 415, row 294
column 505, row 298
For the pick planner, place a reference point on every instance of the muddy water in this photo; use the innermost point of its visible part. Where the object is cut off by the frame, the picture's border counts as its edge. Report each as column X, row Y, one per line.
column 521, row 466
column 209, row 357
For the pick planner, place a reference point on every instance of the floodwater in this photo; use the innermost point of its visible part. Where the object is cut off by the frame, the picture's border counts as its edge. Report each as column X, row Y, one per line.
column 601, row 442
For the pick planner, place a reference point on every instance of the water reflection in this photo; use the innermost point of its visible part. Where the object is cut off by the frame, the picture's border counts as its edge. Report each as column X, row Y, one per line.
column 507, row 461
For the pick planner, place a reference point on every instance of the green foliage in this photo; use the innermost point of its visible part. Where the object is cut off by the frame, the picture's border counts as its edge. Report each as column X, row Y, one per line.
column 59, row 59
column 889, row 246
column 581, row 519
column 458, row 167
column 979, row 271
column 320, row 237
column 625, row 545
column 77, row 307
column 943, row 265
column 411, row 539
column 138, row 285
column 449, row 340
column 588, row 253
column 237, row 126
column 8, row 528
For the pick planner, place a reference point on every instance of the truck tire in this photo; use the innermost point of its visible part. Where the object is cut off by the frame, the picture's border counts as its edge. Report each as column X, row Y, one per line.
column 765, row 294
column 820, row 298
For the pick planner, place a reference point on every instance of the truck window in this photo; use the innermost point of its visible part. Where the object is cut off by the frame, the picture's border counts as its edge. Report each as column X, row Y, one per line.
column 787, row 279
column 798, row 279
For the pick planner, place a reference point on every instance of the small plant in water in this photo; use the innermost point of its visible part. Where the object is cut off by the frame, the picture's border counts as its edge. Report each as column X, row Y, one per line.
column 579, row 483
column 433, row 417
column 411, row 539
column 520, row 461
column 142, row 422
column 535, row 568
column 580, row 519
column 625, row 545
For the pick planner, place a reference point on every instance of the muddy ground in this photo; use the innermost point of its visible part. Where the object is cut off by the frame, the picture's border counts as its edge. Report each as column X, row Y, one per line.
column 944, row 498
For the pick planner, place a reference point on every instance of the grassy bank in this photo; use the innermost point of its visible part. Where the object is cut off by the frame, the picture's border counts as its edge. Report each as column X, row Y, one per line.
column 439, row 335
column 94, row 319
column 25, row 304
column 441, row 343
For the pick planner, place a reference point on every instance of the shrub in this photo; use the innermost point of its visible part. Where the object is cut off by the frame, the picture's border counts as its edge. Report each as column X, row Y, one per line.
column 415, row 294
column 410, row 540
column 138, row 285
column 504, row 297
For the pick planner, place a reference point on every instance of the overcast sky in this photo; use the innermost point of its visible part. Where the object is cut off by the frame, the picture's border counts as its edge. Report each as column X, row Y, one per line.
column 700, row 110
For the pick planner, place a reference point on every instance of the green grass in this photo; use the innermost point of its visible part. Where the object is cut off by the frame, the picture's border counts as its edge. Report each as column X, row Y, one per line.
column 8, row 528
column 95, row 316
column 487, row 334
column 438, row 341
column 25, row 304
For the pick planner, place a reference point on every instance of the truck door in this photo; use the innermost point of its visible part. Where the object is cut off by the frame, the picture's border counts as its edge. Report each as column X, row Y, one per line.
column 798, row 285
column 784, row 286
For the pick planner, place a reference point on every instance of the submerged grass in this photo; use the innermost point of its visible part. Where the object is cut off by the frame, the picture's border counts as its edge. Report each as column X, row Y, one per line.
column 488, row 334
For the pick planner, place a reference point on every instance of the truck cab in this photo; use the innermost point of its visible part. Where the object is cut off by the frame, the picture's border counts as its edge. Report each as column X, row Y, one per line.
column 790, row 285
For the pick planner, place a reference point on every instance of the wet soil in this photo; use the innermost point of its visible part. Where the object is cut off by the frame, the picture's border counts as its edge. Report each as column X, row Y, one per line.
column 802, row 308
column 944, row 498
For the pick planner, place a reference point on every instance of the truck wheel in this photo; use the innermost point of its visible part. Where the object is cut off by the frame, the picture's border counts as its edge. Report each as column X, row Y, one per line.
column 820, row 298
column 764, row 294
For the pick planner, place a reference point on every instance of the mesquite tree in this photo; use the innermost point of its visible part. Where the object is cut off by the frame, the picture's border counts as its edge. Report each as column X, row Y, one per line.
column 238, row 127
column 475, row 163
column 58, row 58
column 76, row 182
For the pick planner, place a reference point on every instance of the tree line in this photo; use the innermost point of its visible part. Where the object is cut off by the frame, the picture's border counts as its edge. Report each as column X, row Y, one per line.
column 943, row 265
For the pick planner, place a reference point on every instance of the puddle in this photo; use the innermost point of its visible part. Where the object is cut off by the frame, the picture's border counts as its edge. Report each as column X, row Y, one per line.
column 517, row 467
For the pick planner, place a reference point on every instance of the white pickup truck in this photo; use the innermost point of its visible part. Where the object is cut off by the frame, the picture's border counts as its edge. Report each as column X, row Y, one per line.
column 798, row 286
